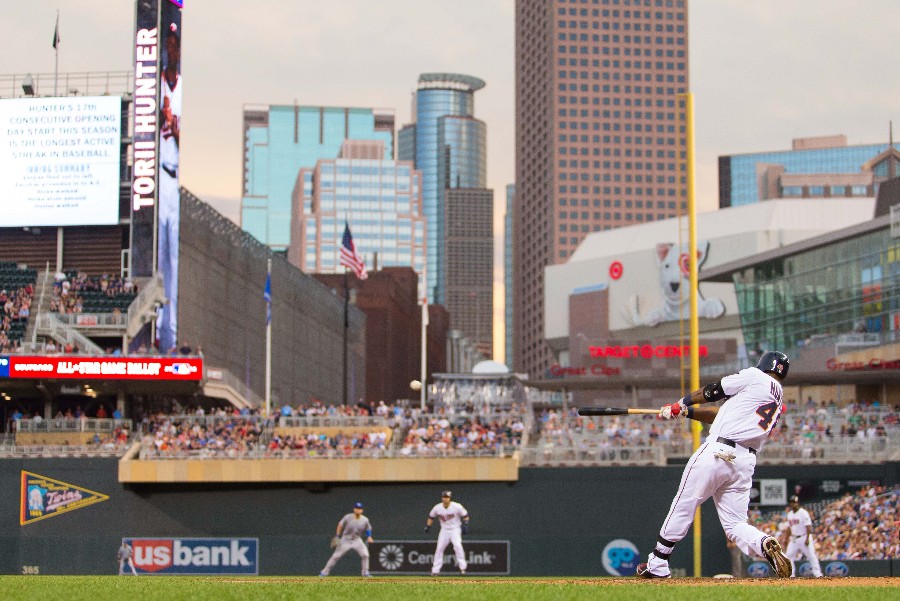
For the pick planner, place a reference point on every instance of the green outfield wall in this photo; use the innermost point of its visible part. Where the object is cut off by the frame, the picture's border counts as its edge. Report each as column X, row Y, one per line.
column 557, row 521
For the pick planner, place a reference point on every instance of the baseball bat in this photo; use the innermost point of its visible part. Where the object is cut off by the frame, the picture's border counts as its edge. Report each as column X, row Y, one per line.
column 591, row 411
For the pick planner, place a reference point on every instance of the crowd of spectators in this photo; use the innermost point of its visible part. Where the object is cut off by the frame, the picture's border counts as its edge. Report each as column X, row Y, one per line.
column 76, row 292
column 15, row 308
column 323, row 445
column 860, row 525
column 865, row 525
column 225, row 436
column 443, row 434
column 404, row 429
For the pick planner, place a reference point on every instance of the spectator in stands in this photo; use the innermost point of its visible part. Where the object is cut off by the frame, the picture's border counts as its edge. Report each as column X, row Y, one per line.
column 185, row 348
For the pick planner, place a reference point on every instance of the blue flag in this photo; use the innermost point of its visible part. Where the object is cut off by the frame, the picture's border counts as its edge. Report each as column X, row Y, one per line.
column 267, row 294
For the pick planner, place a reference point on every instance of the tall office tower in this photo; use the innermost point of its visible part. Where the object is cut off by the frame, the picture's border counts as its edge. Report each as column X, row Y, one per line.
column 508, row 276
column 279, row 141
column 600, row 139
column 469, row 258
column 380, row 198
column 447, row 144
column 823, row 166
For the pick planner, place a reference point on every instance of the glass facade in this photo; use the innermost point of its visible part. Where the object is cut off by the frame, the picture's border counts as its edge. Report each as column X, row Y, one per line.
column 741, row 170
column 437, row 139
column 849, row 286
column 278, row 142
column 380, row 199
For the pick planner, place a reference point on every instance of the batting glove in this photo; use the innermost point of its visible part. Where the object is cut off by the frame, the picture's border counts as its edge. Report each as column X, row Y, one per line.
column 465, row 528
column 673, row 411
column 427, row 528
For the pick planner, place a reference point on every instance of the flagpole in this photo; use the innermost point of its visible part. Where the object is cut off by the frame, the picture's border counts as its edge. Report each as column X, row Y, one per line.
column 346, row 327
column 269, row 345
column 56, row 52
column 424, row 343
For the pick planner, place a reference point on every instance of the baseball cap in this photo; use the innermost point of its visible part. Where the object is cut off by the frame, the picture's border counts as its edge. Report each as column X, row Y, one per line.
column 357, row 505
column 446, row 493
column 794, row 499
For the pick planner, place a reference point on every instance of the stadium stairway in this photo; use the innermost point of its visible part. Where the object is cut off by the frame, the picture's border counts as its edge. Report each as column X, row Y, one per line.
column 44, row 294
column 151, row 296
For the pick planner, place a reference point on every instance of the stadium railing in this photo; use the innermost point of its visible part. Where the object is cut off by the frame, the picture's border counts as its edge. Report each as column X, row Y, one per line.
column 72, row 424
column 333, row 421
column 591, row 457
column 148, row 453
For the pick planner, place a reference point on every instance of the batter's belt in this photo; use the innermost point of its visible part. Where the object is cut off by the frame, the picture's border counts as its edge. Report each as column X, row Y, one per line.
column 734, row 445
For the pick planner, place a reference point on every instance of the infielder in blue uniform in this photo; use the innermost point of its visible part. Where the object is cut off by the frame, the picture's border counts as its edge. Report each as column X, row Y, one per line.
column 349, row 535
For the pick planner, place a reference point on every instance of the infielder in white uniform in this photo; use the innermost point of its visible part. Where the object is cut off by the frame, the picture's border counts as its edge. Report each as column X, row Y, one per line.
column 454, row 523
column 800, row 541
column 722, row 468
column 348, row 535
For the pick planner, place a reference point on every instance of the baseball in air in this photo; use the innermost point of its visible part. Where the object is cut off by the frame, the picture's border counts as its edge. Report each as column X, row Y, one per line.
column 415, row 385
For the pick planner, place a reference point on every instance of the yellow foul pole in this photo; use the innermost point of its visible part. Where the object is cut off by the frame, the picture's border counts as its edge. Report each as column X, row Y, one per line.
column 695, row 324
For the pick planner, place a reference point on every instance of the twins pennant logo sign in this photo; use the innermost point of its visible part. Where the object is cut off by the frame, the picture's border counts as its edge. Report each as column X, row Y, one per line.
column 44, row 497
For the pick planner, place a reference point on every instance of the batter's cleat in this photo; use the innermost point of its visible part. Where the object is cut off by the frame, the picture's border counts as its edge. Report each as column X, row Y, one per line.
column 643, row 571
column 322, row 574
column 777, row 559
column 366, row 575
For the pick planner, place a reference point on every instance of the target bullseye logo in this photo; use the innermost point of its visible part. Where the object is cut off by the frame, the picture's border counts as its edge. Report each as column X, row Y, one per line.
column 391, row 557
column 615, row 270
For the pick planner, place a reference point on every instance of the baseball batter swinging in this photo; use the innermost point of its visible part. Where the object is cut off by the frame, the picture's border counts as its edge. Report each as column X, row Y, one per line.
column 722, row 468
column 800, row 530
column 454, row 523
column 349, row 533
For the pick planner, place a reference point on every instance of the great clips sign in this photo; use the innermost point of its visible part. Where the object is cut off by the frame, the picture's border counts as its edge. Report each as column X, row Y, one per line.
column 195, row 556
column 108, row 368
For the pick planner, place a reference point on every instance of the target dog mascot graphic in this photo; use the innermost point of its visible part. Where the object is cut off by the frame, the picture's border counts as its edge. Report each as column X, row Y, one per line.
column 674, row 279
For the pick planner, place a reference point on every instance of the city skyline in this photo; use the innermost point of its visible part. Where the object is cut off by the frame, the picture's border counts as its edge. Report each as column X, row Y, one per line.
column 758, row 83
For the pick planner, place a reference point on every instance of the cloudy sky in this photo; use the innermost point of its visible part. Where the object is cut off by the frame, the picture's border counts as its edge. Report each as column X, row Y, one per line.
column 762, row 71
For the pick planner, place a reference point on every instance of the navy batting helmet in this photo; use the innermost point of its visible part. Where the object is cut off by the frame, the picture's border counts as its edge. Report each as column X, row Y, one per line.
column 774, row 362
column 446, row 493
column 794, row 499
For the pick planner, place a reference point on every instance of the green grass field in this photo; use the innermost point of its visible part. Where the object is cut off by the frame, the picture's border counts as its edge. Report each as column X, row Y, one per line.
column 115, row 588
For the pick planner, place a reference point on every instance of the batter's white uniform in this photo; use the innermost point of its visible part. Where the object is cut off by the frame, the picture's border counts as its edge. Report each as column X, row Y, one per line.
column 800, row 543
column 451, row 518
column 724, row 470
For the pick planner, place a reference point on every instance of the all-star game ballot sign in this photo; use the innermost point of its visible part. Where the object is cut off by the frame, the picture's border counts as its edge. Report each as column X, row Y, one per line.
column 44, row 497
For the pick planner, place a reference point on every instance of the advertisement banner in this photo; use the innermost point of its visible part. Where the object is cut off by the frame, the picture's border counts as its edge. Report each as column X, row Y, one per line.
column 195, row 556
column 416, row 557
column 43, row 497
column 59, row 160
column 773, row 492
column 102, row 368
column 169, row 197
column 145, row 136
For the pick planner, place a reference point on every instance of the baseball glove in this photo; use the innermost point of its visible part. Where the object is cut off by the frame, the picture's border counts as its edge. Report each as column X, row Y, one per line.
column 334, row 542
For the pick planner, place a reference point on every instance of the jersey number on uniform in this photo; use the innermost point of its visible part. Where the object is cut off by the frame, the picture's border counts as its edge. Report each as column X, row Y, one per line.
column 767, row 412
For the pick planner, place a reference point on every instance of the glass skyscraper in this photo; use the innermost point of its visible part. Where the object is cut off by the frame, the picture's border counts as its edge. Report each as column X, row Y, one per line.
column 447, row 144
column 381, row 199
column 740, row 175
column 279, row 140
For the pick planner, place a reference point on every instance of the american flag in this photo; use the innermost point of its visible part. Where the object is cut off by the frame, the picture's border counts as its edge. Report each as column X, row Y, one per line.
column 349, row 257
